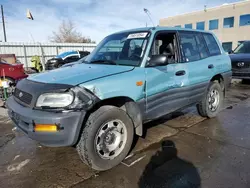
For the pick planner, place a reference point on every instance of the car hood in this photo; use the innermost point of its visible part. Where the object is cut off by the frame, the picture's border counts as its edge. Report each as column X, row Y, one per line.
column 240, row 57
column 79, row 73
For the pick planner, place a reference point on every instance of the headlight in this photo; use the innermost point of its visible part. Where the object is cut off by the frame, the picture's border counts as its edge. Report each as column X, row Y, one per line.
column 55, row 100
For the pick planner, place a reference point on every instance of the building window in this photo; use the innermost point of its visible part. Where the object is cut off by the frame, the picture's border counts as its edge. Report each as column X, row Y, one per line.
column 245, row 20
column 189, row 26
column 213, row 24
column 200, row 25
column 212, row 44
column 179, row 26
column 227, row 46
column 228, row 22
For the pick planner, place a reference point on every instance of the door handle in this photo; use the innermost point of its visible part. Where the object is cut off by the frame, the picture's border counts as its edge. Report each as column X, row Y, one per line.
column 180, row 73
column 211, row 66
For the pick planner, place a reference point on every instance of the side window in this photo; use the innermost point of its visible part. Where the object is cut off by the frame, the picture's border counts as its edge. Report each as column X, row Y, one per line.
column 212, row 45
column 201, row 46
column 165, row 44
column 72, row 58
column 189, row 47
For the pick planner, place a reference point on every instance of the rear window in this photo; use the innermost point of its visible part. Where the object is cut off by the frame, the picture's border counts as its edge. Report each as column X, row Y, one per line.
column 212, row 44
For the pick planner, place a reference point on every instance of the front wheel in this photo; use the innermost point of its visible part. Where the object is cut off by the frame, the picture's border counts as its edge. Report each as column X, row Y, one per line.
column 106, row 138
column 212, row 101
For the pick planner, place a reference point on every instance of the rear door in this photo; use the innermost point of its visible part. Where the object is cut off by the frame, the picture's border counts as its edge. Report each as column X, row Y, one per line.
column 218, row 60
column 199, row 69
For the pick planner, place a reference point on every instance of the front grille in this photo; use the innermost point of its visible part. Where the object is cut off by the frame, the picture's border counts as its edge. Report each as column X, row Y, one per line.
column 241, row 74
column 23, row 96
column 241, row 70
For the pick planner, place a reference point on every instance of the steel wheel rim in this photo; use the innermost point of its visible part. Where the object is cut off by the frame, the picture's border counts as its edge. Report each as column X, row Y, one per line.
column 110, row 139
column 213, row 100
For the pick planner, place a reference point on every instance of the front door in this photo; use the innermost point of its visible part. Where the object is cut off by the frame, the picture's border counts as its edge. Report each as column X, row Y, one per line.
column 164, row 83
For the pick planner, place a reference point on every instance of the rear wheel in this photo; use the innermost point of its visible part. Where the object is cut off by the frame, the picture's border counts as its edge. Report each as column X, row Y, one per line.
column 212, row 101
column 106, row 138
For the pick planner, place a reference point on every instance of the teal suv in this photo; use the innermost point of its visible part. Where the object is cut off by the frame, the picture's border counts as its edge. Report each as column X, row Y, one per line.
column 132, row 77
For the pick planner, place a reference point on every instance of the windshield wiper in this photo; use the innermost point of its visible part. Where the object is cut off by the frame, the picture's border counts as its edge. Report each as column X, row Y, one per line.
column 104, row 62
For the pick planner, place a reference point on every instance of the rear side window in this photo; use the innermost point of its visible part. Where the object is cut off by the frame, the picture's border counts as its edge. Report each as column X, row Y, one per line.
column 212, row 45
column 201, row 46
column 189, row 47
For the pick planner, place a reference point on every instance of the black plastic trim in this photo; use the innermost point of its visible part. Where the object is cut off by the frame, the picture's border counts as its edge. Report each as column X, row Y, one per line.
column 171, row 100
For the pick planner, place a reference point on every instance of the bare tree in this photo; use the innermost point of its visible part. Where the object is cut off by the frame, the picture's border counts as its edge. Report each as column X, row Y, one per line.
column 67, row 34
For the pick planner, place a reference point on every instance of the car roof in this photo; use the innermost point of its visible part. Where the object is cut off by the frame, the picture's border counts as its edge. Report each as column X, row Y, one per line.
column 159, row 28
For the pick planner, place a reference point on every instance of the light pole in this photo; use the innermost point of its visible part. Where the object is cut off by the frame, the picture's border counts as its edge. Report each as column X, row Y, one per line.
column 4, row 31
column 148, row 13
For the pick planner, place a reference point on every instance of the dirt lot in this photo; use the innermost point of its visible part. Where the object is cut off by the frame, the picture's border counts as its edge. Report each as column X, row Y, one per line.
column 179, row 150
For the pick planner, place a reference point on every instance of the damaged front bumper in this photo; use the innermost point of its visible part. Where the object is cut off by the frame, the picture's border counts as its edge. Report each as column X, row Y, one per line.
column 68, row 121
column 69, row 124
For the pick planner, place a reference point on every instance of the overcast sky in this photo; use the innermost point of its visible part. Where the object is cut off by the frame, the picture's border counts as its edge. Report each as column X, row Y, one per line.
column 94, row 18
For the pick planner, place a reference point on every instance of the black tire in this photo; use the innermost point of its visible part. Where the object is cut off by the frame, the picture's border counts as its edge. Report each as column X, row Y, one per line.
column 245, row 81
column 203, row 107
column 86, row 146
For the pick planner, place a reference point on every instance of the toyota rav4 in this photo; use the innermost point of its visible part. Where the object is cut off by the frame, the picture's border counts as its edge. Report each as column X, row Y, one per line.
column 131, row 77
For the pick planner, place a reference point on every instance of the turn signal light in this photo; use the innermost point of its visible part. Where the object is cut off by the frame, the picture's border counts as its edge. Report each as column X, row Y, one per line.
column 139, row 83
column 45, row 128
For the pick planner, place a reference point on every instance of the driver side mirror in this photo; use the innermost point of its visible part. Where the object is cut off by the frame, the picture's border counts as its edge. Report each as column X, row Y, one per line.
column 157, row 60
column 230, row 52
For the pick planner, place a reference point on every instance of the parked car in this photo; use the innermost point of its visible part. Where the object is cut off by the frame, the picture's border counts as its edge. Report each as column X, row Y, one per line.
column 98, row 106
column 240, row 58
column 64, row 58
column 82, row 60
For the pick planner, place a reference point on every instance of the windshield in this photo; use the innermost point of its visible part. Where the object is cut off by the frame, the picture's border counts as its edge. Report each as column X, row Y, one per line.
column 243, row 48
column 120, row 49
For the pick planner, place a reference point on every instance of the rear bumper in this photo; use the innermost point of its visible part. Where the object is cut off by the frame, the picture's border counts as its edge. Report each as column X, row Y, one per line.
column 70, row 124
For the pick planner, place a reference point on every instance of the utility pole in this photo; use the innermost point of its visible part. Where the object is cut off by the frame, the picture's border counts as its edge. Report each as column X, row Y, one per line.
column 4, row 32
